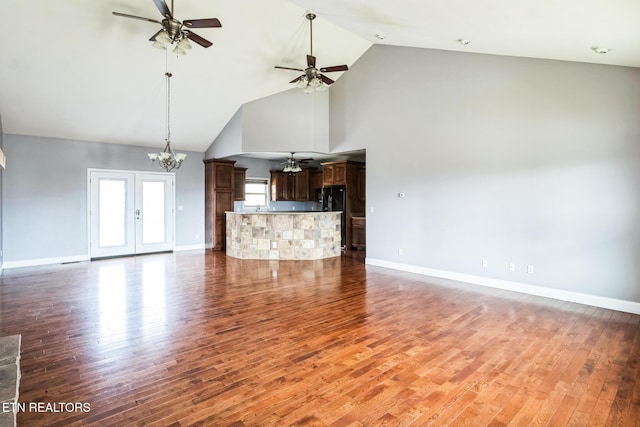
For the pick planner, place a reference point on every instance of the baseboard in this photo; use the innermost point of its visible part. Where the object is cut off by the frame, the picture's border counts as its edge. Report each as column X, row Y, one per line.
column 199, row 246
column 44, row 261
column 559, row 294
column 76, row 258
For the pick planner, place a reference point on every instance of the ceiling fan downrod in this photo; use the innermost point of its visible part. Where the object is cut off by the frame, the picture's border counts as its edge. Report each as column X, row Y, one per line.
column 310, row 16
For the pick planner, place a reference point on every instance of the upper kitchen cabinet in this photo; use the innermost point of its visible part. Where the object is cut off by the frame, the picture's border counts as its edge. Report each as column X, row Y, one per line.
column 291, row 187
column 282, row 186
column 334, row 173
column 315, row 182
column 341, row 173
column 301, row 185
column 239, row 176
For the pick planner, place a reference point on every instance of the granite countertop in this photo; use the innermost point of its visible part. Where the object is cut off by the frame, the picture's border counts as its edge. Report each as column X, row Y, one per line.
column 281, row 212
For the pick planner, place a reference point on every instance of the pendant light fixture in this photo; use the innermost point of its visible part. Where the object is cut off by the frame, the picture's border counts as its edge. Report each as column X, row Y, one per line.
column 168, row 159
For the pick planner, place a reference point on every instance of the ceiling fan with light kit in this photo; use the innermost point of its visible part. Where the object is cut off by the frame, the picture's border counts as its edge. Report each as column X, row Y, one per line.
column 292, row 165
column 175, row 32
column 313, row 78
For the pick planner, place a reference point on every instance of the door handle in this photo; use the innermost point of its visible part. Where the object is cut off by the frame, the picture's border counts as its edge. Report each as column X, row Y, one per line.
column 137, row 213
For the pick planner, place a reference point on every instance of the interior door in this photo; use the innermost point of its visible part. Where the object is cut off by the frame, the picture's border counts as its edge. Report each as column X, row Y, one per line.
column 130, row 213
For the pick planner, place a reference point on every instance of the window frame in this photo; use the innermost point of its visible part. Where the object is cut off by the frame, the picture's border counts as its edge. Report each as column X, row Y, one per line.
column 263, row 181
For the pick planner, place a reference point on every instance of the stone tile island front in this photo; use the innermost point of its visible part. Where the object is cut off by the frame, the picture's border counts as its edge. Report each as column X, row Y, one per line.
column 283, row 235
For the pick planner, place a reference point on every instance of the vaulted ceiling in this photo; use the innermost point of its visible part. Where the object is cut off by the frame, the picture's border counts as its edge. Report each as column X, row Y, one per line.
column 71, row 69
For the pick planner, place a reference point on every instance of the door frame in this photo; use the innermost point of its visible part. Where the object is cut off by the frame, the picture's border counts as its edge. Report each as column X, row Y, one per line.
column 135, row 172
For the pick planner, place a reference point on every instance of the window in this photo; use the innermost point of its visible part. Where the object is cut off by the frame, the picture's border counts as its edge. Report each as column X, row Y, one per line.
column 256, row 192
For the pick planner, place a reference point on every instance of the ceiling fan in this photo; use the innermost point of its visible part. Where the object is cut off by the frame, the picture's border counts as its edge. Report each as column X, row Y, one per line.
column 292, row 165
column 313, row 79
column 174, row 31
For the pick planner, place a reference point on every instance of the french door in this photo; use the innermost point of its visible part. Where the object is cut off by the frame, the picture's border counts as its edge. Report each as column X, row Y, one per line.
column 130, row 213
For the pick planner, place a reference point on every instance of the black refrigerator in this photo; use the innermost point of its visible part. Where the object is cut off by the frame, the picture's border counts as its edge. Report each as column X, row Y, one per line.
column 335, row 199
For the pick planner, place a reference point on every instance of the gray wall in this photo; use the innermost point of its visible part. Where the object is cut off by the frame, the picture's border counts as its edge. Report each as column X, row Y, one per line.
column 256, row 168
column 534, row 162
column 1, row 177
column 229, row 141
column 284, row 122
column 288, row 121
column 45, row 194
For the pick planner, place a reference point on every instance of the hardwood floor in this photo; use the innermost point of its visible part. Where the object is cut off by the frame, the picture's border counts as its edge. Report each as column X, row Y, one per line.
column 202, row 339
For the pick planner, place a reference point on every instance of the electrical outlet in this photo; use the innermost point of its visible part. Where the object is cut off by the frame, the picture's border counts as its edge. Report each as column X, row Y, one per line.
column 485, row 263
column 530, row 269
column 400, row 251
column 512, row 267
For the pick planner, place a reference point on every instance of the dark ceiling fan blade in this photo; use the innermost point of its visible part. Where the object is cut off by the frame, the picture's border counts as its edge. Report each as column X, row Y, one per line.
column 325, row 79
column 136, row 17
column 163, row 8
column 203, row 23
column 153, row 38
column 200, row 40
column 288, row 68
column 311, row 61
column 296, row 79
column 334, row 68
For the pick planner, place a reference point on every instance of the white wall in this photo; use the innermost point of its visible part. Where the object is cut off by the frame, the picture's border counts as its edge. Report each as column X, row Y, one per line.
column 534, row 162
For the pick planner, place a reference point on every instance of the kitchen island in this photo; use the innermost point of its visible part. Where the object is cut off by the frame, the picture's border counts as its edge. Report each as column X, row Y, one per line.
column 283, row 235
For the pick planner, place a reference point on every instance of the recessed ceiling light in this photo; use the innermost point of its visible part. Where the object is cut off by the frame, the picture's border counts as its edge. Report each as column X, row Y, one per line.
column 381, row 36
column 601, row 50
column 463, row 42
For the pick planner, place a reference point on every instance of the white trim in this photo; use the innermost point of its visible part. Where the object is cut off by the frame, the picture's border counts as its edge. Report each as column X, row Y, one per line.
column 559, row 294
column 44, row 261
column 199, row 246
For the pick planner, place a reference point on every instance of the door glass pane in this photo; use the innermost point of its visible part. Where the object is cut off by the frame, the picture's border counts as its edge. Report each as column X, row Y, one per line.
column 113, row 203
column 153, row 212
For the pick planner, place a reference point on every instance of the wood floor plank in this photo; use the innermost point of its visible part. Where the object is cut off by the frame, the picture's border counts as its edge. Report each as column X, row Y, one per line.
column 200, row 339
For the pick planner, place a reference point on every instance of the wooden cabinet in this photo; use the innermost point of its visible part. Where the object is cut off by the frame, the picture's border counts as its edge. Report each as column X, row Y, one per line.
column 281, row 186
column 315, row 182
column 239, row 178
column 362, row 183
column 219, row 189
column 334, row 173
column 291, row 187
column 359, row 232
column 301, row 185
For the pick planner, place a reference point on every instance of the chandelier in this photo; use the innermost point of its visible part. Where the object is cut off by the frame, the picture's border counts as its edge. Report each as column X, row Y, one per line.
column 168, row 159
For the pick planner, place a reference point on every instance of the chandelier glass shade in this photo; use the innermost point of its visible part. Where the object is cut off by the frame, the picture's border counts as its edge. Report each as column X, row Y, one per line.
column 180, row 42
column 291, row 166
column 311, row 84
column 168, row 159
